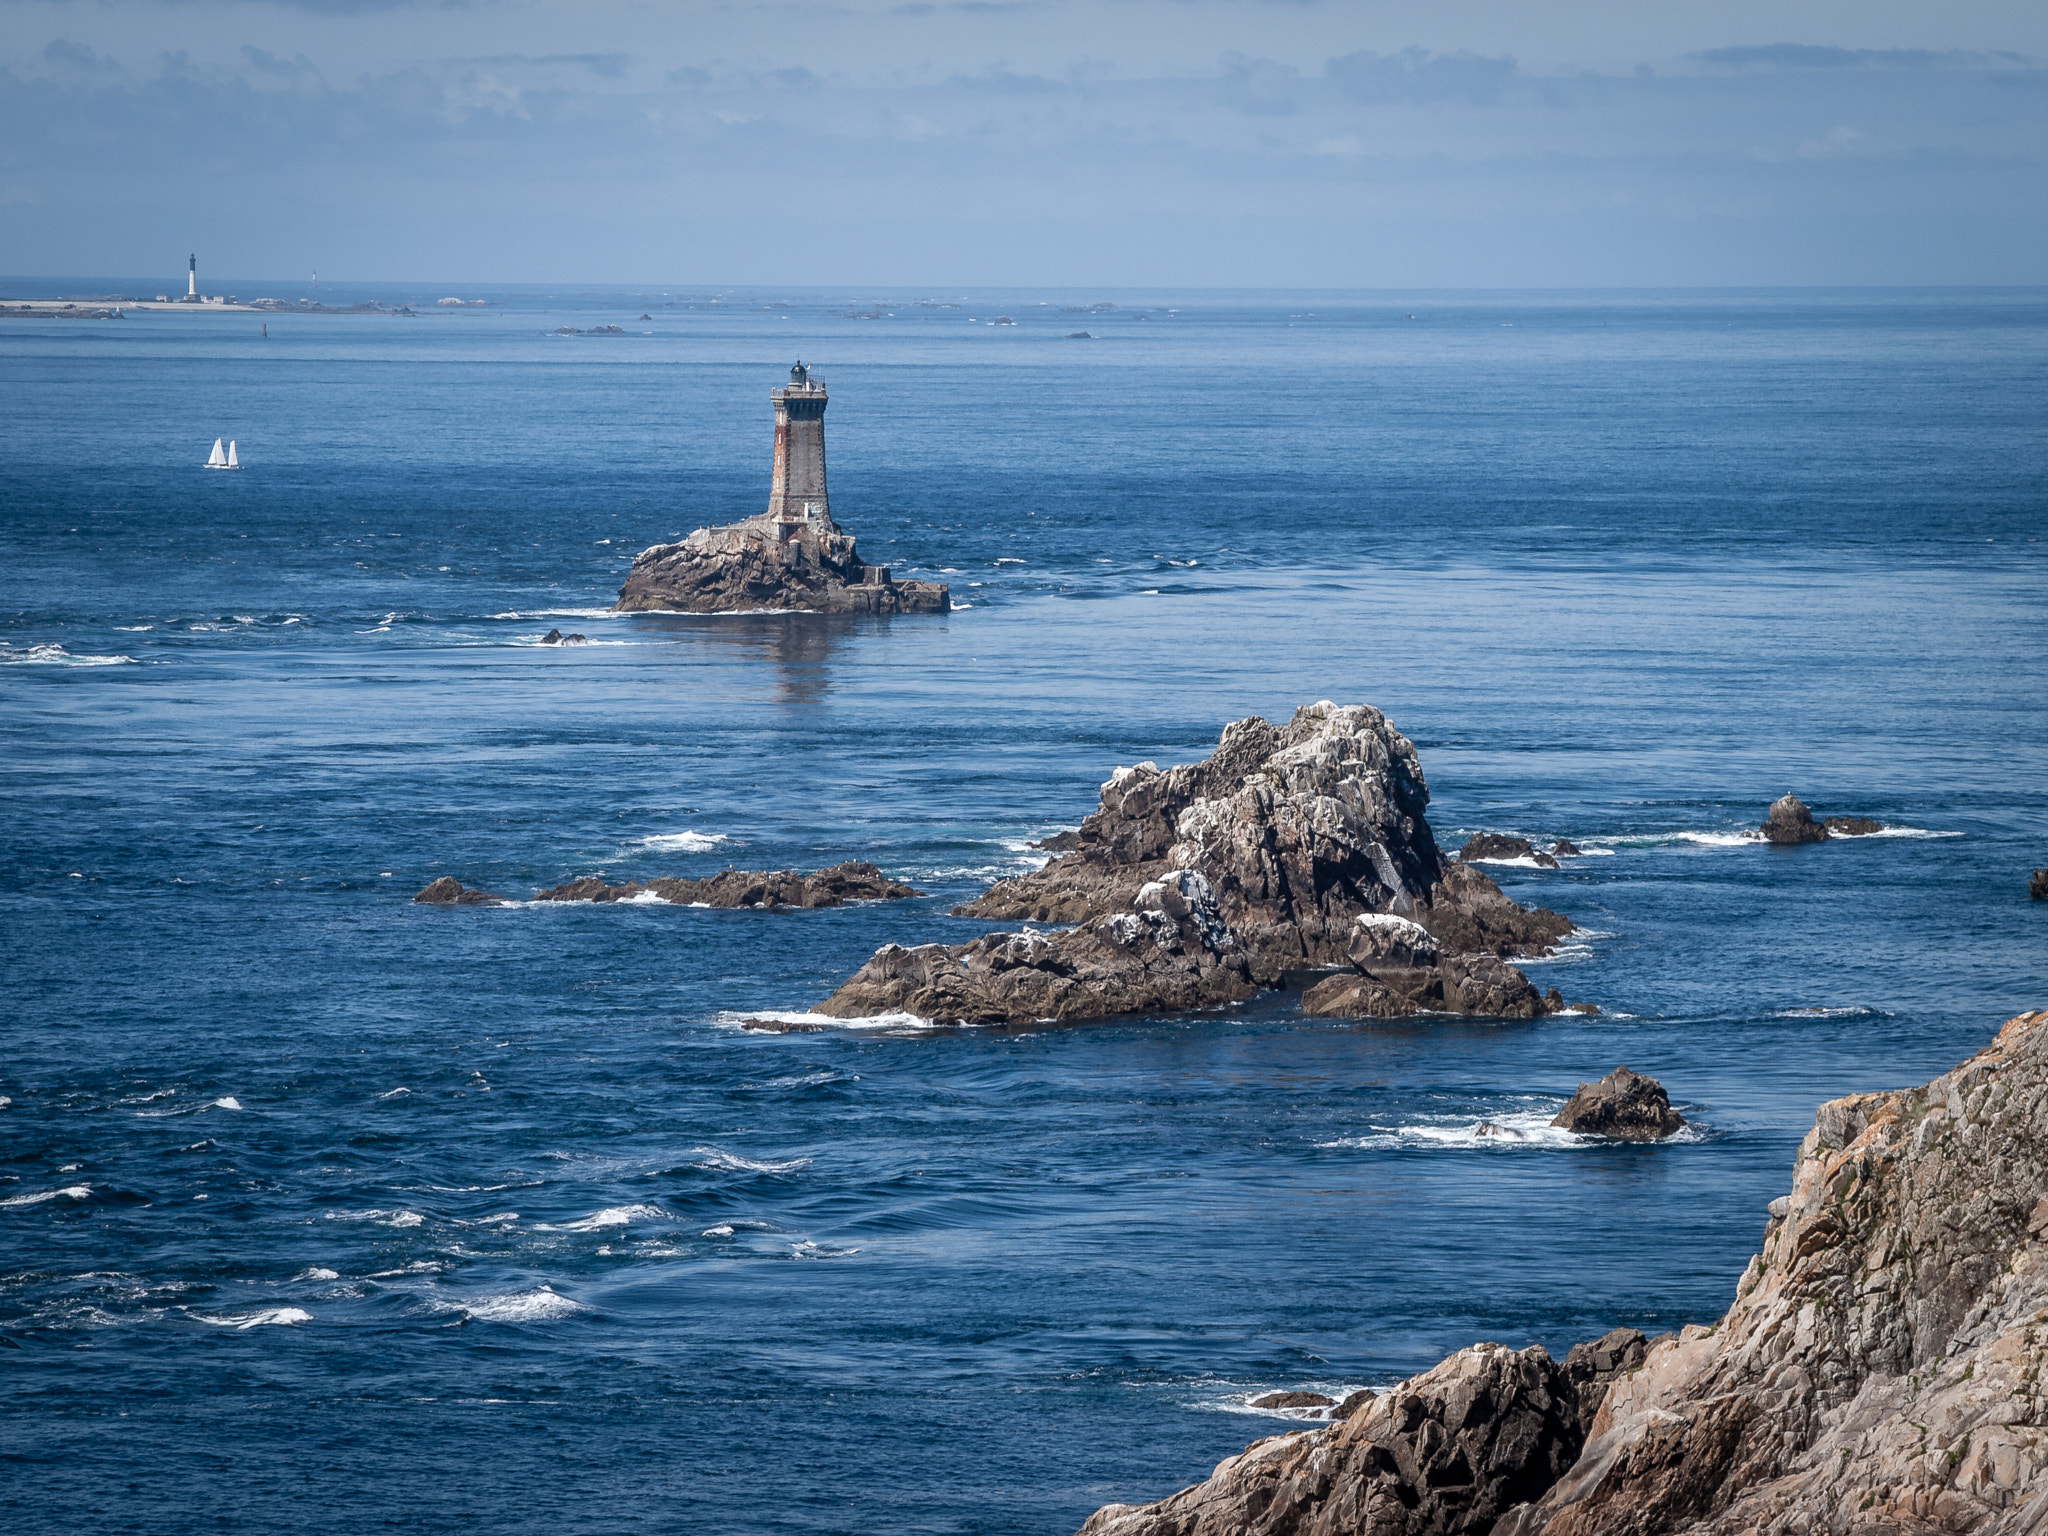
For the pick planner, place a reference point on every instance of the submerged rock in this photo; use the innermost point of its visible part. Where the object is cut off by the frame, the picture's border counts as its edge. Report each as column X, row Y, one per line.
column 1294, row 1400
column 556, row 637
column 1202, row 883
column 856, row 881
column 1789, row 822
column 1851, row 826
column 1622, row 1105
column 2037, row 885
column 451, row 892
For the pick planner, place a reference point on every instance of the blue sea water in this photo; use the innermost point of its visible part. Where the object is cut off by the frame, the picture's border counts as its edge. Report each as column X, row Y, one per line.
column 320, row 1210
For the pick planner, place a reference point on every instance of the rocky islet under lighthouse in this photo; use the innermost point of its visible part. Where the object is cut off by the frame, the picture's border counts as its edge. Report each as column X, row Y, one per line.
column 792, row 555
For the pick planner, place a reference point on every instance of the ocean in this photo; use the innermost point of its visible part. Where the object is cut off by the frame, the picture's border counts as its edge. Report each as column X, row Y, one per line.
column 321, row 1210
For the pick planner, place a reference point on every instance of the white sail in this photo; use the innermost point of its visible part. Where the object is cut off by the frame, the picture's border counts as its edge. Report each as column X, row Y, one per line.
column 233, row 462
column 219, row 459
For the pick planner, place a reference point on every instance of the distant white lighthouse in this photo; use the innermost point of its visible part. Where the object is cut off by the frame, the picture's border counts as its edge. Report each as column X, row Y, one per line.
column 192, row 277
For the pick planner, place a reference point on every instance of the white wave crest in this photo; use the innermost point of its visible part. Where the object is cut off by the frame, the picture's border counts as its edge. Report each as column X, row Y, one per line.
column 535, row 1306
column 681, row 842
column 399, row 1218
column 1831, row 1013
column 268, row 1317
column 68, row 1192
column 1901, row 832
column 56, row 656
column 611, row 1216
column 227, row 1102
column 316, row 1273
column 714, row 1159
column 806, row 1249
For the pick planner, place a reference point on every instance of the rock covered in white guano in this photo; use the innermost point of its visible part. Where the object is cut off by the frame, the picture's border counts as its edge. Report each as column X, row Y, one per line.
column 1211, row 879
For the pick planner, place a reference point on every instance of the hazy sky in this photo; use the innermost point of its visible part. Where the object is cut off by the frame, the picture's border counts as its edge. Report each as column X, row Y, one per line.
column 1347, row 143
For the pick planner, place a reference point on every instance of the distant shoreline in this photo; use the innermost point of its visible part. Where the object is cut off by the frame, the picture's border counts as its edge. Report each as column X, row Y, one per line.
column 105, row 308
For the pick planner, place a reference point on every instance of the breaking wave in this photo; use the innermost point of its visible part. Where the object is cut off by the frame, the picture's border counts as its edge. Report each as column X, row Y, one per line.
column 535, row 1306
column 54, row 655
column 681, row 842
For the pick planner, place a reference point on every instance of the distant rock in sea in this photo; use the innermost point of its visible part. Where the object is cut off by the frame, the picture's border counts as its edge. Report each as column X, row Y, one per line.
column 1501, row 846
column 1879, row 1370
column 1290, row 849
column 556, row 637
column 1622, row 1105
column 834, row 887
column 791, row 556
column 1852, row 826
column 1789, row 823
column 2037, row 885
column 450, row 892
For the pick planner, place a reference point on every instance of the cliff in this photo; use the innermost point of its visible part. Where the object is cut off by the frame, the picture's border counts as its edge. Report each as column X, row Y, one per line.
column 1878, row 1373
column 767, row 561
column 1289, row 851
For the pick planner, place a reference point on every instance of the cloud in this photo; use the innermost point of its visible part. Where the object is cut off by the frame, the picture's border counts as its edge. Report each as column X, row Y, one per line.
column 1260, row 87
column 76, row 58
column 1809, row 56
column 1415, row 74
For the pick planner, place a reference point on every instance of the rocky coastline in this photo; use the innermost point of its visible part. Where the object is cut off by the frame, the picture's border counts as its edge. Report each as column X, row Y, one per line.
column 731, row 888
column 1293, row 855
column 1879, row 1372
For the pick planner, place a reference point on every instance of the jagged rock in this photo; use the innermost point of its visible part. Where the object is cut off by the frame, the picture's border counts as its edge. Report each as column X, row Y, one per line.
column 2037, row 885
column 1851, row 826
column 1592, row 1367
column 1789, row 822
column 1881, row 1368
column 556, row 637
column 1294, row 1400
column 1444, row 1452
column 1168, row 952
column 451, row 892
column 1622, row 1105
column 1400, row 969
column 1565, row 848
column 856, row 881
column 1201, row 883
column 782, row 1027
column 1353, row 1402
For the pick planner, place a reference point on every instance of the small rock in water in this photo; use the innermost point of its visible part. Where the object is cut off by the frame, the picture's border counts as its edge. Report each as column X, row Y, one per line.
column 450, row 892
column 2037, row 885
column 781, row 1027
column 1489, row 1129
column 1495, row 845
column 556, row 637
column 1789, row 823
column 1565, row 848
column 1622, row 1105
column 1353, row 1403
column 1294, row 1400
column 1851, row 826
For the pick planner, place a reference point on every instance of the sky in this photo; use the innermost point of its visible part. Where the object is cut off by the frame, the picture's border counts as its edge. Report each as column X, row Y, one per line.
column 1030, row 143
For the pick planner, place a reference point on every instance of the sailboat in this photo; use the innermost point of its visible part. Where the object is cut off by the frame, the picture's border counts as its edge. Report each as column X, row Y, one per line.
column 219, row 460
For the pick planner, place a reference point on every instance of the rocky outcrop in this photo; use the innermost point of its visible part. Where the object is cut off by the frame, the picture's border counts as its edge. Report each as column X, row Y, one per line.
column 1399, row 969
column 1623, row 1106
column 556, row 637
column 1447, row 1451
column 1199, row 884
column 1879, row 1374
column 1277, row 1400
column 1789, row 822
column 451, row 892
column 746, row 888
column 1565, row 848
column 1881, row 1368
column 2037, row 885
column 1502, row 846
column 767, row 562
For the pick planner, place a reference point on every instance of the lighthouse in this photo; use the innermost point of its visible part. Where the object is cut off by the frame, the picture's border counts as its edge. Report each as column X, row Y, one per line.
column 192, row 277
column 796, row 492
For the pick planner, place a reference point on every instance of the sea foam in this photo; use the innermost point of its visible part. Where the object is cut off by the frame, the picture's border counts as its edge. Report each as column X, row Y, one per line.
column 535, row 1306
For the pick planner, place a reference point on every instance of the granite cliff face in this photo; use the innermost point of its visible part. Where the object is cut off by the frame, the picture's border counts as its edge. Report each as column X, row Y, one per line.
column 1879, row 1373
column 1283, row 852
column 769, row 562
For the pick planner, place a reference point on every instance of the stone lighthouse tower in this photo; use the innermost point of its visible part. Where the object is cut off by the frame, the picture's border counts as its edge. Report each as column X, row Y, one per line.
column 796, row 493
